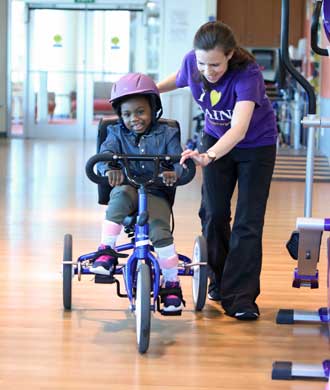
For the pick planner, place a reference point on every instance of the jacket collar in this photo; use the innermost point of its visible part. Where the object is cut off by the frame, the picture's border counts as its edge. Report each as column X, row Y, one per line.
column 156, row 129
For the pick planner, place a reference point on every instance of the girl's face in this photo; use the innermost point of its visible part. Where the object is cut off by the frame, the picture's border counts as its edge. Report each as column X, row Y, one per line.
column 136, row 114
column 212, row 64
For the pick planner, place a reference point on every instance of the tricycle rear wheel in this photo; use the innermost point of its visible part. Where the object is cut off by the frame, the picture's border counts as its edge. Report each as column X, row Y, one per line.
column 67, row 272
column 199, row 281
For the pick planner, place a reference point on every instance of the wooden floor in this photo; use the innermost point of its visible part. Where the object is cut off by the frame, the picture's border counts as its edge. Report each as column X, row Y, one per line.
column 43, row 195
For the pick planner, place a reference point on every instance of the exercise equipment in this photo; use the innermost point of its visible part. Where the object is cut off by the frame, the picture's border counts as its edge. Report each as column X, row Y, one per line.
column 310, row 236
column 193, row 142
column 304, row 244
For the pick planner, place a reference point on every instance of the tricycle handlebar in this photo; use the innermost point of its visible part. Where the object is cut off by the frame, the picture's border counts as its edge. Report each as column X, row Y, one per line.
column 123, row 160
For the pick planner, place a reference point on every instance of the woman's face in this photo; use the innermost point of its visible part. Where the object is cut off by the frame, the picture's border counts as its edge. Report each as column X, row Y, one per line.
column 136, row 114
column 212, row 64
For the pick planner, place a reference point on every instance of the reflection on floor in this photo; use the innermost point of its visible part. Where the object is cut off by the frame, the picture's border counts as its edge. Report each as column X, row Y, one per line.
column 16, row 129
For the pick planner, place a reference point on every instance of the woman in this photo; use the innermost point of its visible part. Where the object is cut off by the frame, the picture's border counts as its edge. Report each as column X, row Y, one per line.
column 238, row 147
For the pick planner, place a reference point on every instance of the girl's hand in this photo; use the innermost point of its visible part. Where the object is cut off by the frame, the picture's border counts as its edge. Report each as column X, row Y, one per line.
column 115, row 177
column 199, row 158
column 169, row 178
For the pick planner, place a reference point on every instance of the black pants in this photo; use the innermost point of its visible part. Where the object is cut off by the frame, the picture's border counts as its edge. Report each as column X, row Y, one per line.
column 235, row 256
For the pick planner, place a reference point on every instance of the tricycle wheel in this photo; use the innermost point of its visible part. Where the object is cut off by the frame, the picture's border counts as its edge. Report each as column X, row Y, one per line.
column 199, row 282
column 67, row 272
column 142, row 308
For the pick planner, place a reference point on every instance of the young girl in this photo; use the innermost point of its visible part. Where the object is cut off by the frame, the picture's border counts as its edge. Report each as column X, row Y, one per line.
column 136, row 100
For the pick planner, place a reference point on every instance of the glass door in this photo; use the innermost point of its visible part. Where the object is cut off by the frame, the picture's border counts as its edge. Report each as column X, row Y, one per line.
column 74, row 56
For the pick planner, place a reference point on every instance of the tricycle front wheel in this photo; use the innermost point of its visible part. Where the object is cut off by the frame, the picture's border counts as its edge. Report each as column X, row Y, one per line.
column 142, row 307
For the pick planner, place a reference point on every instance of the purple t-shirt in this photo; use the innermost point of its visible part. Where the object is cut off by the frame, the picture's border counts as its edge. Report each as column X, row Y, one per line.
column 218, row 103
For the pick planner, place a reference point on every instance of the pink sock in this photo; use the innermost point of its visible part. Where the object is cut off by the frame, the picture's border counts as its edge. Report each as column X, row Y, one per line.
column 110, row 233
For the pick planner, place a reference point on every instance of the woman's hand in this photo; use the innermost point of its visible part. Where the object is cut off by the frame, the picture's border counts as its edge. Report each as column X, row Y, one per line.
column 169, row 178
column 199, row 158
column 115, row 177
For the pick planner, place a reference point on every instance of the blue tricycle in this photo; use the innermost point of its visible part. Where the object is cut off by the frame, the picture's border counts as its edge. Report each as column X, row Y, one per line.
column 141, row 272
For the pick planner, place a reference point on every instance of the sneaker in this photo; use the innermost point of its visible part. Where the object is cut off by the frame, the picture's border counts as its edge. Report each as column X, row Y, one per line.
column 246, row 316
column 171, row 296
column 104, row 264
column 213, row 292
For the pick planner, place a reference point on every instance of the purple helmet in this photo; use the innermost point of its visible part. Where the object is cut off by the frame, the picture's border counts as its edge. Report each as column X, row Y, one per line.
column 135, row 84
column 326, row 18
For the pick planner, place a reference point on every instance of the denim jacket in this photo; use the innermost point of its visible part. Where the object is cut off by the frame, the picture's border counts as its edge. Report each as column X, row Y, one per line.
column 160, row 139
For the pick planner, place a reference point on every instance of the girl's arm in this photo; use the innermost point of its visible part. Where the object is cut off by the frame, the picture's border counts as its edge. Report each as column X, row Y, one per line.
column 111, row 144
column 167, row 84
column 240, row 121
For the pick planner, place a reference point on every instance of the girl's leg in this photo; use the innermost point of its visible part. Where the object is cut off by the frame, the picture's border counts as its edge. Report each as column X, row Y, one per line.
column 161, row 236
column 168, row 262
column 123, row 202
column 110, row 233
column 162, row 239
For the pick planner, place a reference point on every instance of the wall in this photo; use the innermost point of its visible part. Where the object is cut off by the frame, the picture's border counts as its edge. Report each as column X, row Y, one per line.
column 179, row 22
column 325, row 100
column 3, row 65
column 324, row 105
column 258, row 22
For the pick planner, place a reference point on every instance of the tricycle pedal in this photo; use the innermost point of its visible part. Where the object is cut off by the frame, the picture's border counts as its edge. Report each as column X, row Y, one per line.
column 171, row 313
column 105, row 279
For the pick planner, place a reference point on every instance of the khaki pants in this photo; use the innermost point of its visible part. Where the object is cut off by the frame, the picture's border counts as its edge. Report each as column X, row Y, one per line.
column 124, row 202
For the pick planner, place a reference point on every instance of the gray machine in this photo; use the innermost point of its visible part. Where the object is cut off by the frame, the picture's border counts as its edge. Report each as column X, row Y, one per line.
column 304, row 244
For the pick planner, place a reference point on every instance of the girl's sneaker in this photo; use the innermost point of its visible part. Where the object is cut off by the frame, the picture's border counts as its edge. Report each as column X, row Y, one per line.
column 171, row 297
column 104, row 264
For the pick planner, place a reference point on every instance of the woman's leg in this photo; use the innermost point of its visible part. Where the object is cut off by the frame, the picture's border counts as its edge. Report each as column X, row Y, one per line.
column 241, row 275
column 219, row 180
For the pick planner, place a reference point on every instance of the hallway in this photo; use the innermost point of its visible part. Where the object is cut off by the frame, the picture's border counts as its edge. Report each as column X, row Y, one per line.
column 45, row 194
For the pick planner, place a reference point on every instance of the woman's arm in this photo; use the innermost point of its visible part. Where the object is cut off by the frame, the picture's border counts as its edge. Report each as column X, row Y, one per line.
column 240, row 121
column 167, row 84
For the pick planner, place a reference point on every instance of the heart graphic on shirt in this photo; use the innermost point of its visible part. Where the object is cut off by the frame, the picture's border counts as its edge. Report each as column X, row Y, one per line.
column 215, row 97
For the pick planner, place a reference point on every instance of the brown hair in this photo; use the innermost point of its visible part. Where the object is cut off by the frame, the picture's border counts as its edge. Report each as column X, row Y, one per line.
column 216, row 34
